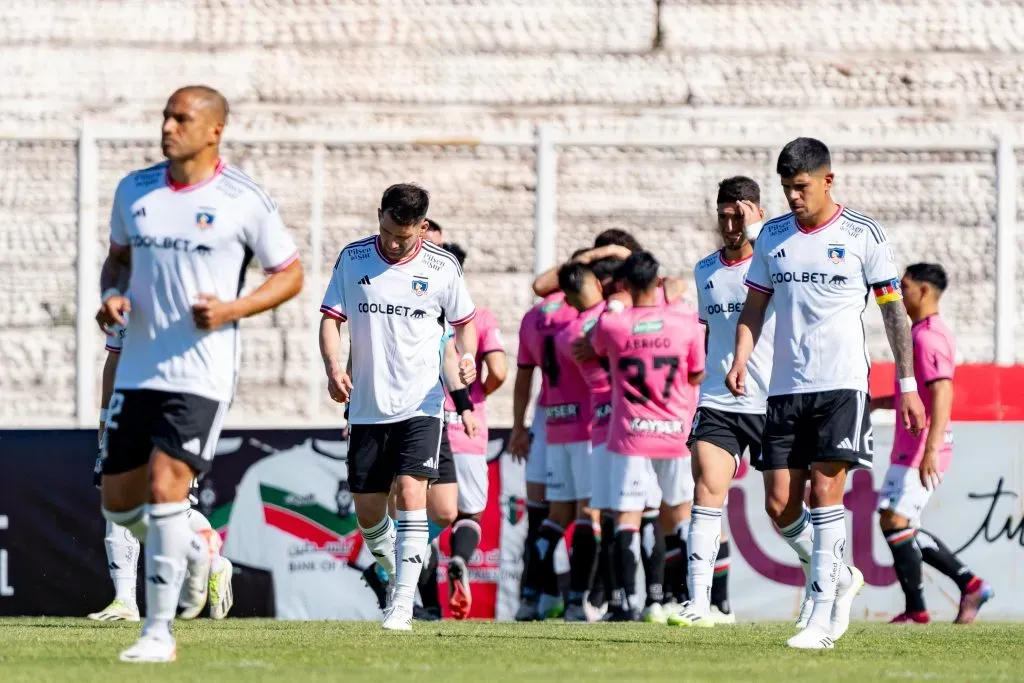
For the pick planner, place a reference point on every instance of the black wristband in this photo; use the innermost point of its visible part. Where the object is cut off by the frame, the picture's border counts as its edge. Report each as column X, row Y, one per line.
column 461, row 399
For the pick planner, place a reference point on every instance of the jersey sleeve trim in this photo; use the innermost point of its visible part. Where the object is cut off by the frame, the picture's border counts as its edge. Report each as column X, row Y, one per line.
column 283, row 265
column 758, row 287
column 702, row 321
column 332, row 313
column 117, row 247
column 463, row 321
column 112, row 349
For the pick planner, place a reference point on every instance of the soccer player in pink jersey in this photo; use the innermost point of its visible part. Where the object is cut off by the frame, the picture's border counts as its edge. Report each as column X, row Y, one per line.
column 585, row 288
column 567, row 423
column 537, row 349
column 655, row 352
column 919, row 462
column 470, row 453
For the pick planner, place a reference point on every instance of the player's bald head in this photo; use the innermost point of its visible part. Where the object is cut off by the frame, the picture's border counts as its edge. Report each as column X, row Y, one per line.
column 206, row 98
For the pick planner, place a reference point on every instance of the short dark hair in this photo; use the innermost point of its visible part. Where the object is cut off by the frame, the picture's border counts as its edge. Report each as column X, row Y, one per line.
column 406, row 203
column 803, row 155
column 606, row 268
column 640, row 270
column 738, row 188
column 571, row 277
column 455, row 250
column 433, row 226
column 932, row 273
column 619, row 237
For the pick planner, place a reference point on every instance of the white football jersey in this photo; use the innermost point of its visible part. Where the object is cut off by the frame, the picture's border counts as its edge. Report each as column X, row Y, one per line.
column 293, row 516
column 819, row 279
column 396, row 313
column 187, row 241
column 720, row 295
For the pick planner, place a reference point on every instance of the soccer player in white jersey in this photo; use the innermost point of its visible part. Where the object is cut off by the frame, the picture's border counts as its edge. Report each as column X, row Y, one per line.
column 817, row 266
column 395, row 290
column 725, row 425
column 123, row 548
column 186, row 230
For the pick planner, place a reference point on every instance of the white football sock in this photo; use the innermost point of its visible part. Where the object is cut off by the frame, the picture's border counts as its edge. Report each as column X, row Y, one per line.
column 702, row 548
column 168, row 545
column 800, row 537
column 380, row 539
column 122, row 561
column 826, row 561
column 413, row 535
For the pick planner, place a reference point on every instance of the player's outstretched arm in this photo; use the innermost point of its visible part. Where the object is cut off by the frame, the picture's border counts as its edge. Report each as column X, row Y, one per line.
column 897, row 330
column 547, row 282
column 942, row 411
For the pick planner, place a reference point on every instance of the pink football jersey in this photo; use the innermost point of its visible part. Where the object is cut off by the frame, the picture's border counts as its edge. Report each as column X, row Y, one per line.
column 651, row 351
column 566, row 400
column 488, row 341
column 934, row 359
column 593, row 371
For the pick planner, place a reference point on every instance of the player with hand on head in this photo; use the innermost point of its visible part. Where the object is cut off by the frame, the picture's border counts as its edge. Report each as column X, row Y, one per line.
column 185, row 230
column 919, row 461
column 469, row 444
column 655, row 353
column 725, row 425
column 817, row 266
column 392, row 289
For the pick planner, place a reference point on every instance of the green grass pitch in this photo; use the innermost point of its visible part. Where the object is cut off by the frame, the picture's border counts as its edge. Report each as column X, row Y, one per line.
column 42, row 650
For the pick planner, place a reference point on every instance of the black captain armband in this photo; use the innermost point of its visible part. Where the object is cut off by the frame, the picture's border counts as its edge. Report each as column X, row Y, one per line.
column 461, row 399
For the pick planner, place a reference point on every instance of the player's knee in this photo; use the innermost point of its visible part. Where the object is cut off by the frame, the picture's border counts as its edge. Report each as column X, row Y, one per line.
column 777, row 508
column 826, row 491
column 443, row 515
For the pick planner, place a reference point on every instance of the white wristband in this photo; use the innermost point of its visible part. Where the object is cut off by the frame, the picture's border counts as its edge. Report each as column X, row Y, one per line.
column 907, row 385
column 103, row 415
column 753, row 230
column 468, row 356
column 113, row 291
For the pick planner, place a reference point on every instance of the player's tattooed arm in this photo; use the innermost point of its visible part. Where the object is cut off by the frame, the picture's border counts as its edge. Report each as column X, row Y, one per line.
column 894, row 317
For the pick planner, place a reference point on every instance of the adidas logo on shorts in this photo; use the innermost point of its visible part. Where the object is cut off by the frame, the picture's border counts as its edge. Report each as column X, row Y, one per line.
column 845, row 445
column 192, row 446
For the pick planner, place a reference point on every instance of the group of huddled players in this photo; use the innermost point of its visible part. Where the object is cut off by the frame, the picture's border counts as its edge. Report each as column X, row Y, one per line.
column 624, row 445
